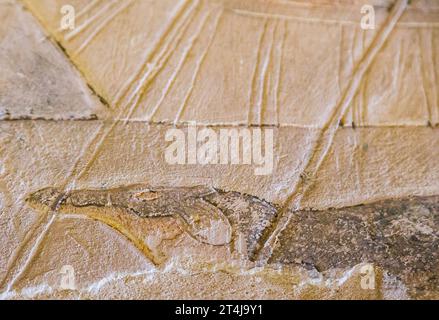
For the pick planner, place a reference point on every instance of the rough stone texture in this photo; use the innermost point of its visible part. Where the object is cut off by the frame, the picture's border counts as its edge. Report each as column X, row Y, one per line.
column 401, row 236
column 37, row 80
column 354, row 120
column 243, row 53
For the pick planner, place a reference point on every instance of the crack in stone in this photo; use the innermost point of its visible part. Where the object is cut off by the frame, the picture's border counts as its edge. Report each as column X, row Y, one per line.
column 92, row 89
column 68, row 57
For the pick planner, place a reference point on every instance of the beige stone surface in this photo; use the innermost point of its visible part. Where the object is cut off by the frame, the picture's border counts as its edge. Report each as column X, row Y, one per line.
column 37, row 80
column 89, row 109
column 201, row 47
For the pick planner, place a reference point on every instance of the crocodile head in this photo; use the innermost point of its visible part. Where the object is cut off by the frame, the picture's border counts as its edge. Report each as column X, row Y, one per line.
column 44, row 198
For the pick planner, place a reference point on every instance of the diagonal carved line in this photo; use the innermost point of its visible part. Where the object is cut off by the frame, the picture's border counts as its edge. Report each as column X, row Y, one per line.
column 48, row 216
column 102, row 25
column 278, row 72
column 425, row 72
column 265, row 76
column 51, row 37
column 86, row 24
column 178, row 24
column 328, row 132
column 252, row 89
column 35, row 248
column 179, row 67
column 83, row 11
column 198, row 68
column 87, row 8
column 157, row 64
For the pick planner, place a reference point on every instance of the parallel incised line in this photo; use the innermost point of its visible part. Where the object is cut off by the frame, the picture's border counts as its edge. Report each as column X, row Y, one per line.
column 326, row 136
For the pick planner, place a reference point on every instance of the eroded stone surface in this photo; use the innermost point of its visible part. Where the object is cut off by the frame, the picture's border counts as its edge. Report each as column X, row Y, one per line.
column 37, row 80
column 252, row 219
column 253, row 60
column 119, row 164
column 400, row 236
column 211, row 216
column 221, row 63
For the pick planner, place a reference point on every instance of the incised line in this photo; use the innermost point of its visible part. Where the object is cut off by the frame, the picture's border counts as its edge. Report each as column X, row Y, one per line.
column 328, row 132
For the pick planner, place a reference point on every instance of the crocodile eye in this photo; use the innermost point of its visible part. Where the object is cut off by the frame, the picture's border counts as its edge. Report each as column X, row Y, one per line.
column 146, row 195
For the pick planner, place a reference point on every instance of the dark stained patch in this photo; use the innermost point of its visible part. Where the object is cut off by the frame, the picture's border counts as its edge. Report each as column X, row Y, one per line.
column 400, row 236
column 247, row 217
column 250, row 217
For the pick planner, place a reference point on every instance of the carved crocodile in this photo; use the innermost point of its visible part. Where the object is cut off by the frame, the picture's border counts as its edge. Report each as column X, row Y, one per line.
column 212, row 216
column 400, row 235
